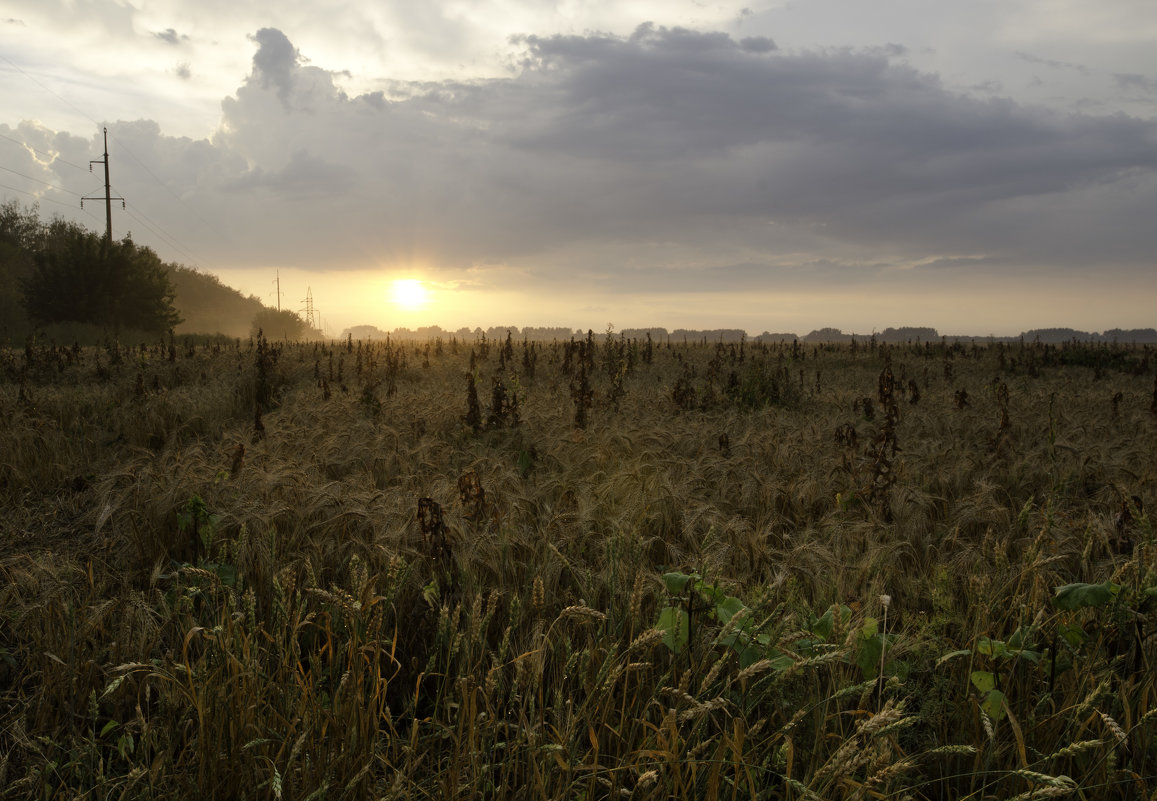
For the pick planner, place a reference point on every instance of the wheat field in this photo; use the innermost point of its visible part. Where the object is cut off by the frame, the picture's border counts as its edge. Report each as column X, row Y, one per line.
column 596, row 569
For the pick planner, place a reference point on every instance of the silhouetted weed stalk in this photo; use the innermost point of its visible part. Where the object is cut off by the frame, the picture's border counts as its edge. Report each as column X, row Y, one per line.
column 645, row 570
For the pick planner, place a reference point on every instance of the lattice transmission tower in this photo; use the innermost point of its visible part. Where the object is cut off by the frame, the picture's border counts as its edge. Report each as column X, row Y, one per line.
column 309, row 312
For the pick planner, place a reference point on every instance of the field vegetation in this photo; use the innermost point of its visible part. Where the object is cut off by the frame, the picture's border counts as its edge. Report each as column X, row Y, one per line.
column 599, row 568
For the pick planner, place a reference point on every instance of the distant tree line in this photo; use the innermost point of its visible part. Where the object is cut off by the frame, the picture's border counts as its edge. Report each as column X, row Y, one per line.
column 59, row 272
column 282, row 324
column 59, row 276
column 901, row 335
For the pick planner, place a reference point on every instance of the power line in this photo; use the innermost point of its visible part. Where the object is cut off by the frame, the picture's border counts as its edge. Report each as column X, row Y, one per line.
column 55, row 158
column 121, row 145
column 161, row 232
column 21, row 70
column 39, row 181
column 161, row 235
column 167, row 238
column 153, row 228
column 170, row 240
column 46, row 199
column 108, row 198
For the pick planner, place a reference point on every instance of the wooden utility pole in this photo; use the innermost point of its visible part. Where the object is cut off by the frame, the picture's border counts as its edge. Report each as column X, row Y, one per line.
column 108, row 198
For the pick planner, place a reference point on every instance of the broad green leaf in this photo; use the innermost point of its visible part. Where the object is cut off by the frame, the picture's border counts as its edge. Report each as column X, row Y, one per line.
column 746, row 624
column 990, row 647
column 824, row 626
column 870, row 628
column 749, row 656
column 1073, row 634
column 1078, row 596
column 728, row 608
column 1017, row 639
column 868, row 659
column 779, row 661
column 1029, row 655
column 677, row 582
column 805, row 647
column 993, row 704
column 983, row 680
column 676, row 628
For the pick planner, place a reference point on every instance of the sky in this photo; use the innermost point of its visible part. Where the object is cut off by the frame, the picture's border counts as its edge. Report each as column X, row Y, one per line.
column 979, row 166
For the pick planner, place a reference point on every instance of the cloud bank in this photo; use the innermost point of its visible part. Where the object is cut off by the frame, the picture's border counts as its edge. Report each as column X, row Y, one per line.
column 668, row 160
column 676, row 138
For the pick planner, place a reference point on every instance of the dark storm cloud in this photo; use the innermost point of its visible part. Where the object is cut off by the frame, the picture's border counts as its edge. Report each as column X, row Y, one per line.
column 663, row 154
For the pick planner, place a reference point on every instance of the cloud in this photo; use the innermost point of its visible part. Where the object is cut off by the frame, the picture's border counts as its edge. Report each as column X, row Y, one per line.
column 1052, row 63
column 170, row 36
column 1135, row 82
column 305, row 173
column 275, row 62
column 989, row 87
column 666, row 158
column 757, row 44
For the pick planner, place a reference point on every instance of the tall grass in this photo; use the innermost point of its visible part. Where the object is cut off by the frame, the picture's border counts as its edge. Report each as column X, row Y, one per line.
column 192, row 604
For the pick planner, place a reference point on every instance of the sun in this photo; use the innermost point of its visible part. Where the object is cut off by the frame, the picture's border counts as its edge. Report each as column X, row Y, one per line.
column 409, row 293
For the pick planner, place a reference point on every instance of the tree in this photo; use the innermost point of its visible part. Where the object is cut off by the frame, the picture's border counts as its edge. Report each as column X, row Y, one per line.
column 20, row 234
column 208, row 306
column 282, row 324
column 78, row 276
column 145, row 292
column 20, row 229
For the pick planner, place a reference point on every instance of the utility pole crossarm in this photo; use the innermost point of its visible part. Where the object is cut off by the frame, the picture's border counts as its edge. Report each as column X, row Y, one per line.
column 108, row 198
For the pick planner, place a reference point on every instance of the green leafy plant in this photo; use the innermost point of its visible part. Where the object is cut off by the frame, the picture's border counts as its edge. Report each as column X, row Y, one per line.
column 691, row 598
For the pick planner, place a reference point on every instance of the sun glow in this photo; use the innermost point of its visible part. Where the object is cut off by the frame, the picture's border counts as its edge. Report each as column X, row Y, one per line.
column 409, row 293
